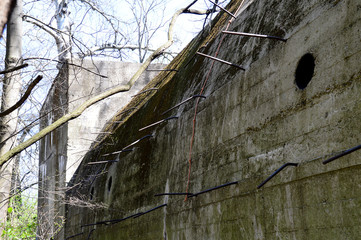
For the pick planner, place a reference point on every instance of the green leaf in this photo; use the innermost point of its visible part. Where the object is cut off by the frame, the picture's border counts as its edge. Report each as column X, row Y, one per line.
column 10, row 210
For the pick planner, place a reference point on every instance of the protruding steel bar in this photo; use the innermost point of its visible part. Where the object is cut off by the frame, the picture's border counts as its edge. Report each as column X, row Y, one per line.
column 223, row 8
column 170, row 194
column 346, row 152
column 254, row 35
column 214, row 188
column 74, row 235
column 222, row 61
column 163, row 70
column 276, row 172
column 188, row 99
column 122, row 219
column 151, row 210
column 140, row 139
column 147, row 90
column 159, row 122
column 113, row 221
column 123, row 150
column 101, row 162
column 91, row 231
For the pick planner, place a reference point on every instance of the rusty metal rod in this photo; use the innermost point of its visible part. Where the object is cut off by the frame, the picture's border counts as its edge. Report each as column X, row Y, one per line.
column 346, row 152
column 223, row 8
column 161, row 70
column 126, row 149
column 147, row 90
column 276, row 172
column 123, row 150
column 114, row 221
column 159, row 122
column 166, row 194
column 151, row 210
column 254, row 35
column 222, row 61
column 122, row 219
column 214, row 188
column 188, row 99
column 74, row 235
column 107, row 222
column 90, row 233
column 140, row 139
column 101, row 162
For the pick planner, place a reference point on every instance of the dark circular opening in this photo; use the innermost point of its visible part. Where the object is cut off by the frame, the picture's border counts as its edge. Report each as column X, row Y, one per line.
column 110, row 184
column 305, row 70
column 92, row 193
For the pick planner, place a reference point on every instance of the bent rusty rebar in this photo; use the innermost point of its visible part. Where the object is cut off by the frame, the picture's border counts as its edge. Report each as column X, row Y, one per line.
column 114, row 221
column 159, row 122
column 346, row 152
column 73, row 236
column 254, row 35
column 221, row 61
column 151, row 210
column 276, row 172
column 183, row 102
column 213, row 188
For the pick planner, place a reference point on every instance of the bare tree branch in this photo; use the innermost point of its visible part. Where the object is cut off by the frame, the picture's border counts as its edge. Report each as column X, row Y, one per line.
column 14, row 68
column 23, row 98
column 199, row 12
column 92, row 51
column 78, row 111
column 18, row 192
column 72, row 64
column 47, row 28
column 106, row 16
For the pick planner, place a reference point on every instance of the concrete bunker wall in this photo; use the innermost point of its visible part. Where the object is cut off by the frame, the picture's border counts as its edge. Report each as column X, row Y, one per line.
column 61, row 151
column 251, row 123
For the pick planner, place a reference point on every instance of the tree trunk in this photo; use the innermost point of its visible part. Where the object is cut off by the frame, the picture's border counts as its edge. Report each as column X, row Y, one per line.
column 63, row 25
column 10, row 95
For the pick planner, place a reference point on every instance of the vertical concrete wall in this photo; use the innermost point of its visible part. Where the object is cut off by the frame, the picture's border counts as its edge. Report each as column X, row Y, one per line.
column 251, row 123
column 52, row 158
column 85, row 84
column 62, row 150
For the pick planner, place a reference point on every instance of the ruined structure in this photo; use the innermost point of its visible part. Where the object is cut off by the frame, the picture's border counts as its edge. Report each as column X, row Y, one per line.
column 63, row 149
column 294, row 102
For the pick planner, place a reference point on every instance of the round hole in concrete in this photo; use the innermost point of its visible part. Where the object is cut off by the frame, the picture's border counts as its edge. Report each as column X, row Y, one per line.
column 305, row 70
column 110, row 183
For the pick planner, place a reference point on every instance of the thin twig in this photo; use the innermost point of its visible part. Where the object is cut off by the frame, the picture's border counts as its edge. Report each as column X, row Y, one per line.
column 23, row 98
column 222, row 8
column 72, row 64
column 78, row 111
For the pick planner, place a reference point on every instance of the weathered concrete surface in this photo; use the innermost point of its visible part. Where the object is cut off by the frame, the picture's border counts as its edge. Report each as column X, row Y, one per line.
column 52, row 159
column 251, row 123
column 62, row 150
column 82, row 86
